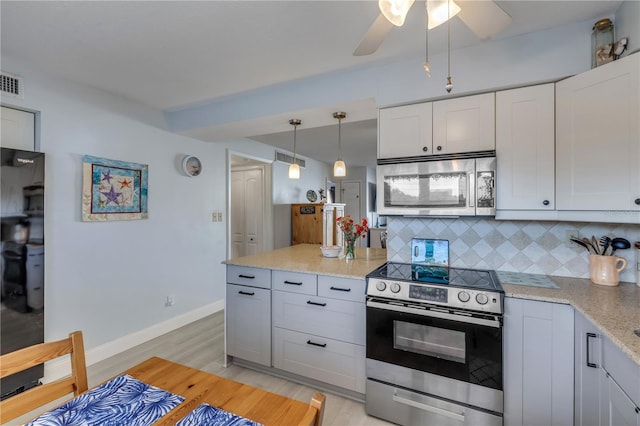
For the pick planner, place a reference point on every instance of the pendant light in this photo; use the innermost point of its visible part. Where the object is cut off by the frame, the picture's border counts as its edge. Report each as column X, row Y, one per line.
column 339, row 168
column 426, row 66
column 294, row 168
column 395, row 10
column 449, row 84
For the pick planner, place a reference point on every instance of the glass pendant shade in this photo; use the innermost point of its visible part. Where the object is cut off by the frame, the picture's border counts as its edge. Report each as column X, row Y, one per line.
column 395, row 10
column 439, row 12
column 294, row 171
column 339, row 168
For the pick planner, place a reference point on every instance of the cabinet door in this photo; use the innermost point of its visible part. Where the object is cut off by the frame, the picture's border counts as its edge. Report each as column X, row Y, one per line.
column 598, row 138
column 464, row 124
column 248, row 323
column 538, row 363
column 588, row 363
column 525, row 148
column 622, row 411
column 405, row 131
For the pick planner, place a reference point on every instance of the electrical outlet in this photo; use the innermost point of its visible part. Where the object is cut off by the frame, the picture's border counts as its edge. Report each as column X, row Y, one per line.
column 214, row 217
column 219, row 216
column 170, row 301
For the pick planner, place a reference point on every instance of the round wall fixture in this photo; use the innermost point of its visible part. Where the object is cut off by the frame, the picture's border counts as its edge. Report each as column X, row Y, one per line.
column 191, row 166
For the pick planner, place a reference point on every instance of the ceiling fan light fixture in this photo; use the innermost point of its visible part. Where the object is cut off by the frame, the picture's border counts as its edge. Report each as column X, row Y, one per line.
column 395, row 10
column 441, row 11
column 339, row 167
column 294, row 168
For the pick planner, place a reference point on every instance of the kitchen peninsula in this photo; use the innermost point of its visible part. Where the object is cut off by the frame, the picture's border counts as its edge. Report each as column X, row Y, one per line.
column 298, row 314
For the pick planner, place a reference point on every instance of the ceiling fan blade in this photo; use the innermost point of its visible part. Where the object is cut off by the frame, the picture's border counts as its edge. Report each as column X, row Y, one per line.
column 485, row 18
column 374, row 36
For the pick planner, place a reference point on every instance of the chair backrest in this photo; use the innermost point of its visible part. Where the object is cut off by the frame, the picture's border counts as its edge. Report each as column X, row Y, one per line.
column 315, row 413
column 23, row 359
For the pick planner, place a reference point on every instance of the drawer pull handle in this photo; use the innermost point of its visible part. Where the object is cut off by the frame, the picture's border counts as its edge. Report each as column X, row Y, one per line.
column 309, row 302
column 322, row 345
column 292, row 282
column 589, row 363
column 246, row 293
column 339, row 289
column 429, row 408
column 249, row 277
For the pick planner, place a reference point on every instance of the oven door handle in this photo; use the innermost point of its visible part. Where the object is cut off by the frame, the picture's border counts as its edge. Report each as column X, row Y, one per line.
column 429, row 408
column 436, row 314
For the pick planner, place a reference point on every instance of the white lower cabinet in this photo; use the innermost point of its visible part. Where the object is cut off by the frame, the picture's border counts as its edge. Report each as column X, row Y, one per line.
column 320, row 334
column 319, row 358
column 336, row 319
column 607, row 385
column 248, row 323
column 538, row 363
column 248, row 314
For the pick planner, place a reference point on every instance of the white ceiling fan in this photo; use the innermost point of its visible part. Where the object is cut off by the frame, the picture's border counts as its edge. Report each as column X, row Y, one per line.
column 484, row 17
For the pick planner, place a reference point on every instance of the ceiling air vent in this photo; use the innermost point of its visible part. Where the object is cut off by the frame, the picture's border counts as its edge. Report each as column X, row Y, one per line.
column 11, row 85
column 286, row 158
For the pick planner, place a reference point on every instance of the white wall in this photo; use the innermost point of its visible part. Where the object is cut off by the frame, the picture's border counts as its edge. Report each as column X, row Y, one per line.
column 627, row 24
column 111, row 279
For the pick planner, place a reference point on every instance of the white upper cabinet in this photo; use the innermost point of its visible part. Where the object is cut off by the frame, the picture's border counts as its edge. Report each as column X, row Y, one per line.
column 405, row 131
column 525, row 145
column 464, row 124
column 598, row 139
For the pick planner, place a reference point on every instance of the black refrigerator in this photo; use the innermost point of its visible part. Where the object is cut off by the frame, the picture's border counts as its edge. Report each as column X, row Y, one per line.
column 22, row 260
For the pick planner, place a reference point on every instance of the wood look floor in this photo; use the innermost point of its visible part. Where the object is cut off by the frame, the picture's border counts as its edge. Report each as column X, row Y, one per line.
column 201, row 345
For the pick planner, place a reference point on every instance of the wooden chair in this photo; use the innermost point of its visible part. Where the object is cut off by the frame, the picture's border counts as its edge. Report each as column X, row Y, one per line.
column 33, row 398
column 315, row 413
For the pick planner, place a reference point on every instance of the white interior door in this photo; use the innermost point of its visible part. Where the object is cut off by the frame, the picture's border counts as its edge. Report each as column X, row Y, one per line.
column 351, row 196
column 247, row 211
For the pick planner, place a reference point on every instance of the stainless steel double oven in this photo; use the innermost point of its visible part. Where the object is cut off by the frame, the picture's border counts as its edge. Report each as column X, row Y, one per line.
column 434, row 345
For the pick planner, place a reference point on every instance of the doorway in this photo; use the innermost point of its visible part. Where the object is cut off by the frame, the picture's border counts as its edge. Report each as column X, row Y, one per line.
column 350, row 195
column 250, row 206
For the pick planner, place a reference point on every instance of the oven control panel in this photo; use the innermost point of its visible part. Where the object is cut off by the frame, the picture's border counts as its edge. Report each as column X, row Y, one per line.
column 464, row 298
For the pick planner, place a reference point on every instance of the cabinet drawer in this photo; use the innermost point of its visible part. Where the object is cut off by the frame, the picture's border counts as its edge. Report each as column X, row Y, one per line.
column 341, row 288
column 330, row 361
column 245, row 275
column 622, row 368
column 296, row 282
column 335, row 319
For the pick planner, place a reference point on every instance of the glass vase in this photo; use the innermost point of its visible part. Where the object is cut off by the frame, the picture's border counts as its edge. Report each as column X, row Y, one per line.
column 350, row 250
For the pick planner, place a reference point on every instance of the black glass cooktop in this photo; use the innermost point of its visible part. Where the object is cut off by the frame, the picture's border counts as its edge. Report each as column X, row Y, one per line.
column 459, row 277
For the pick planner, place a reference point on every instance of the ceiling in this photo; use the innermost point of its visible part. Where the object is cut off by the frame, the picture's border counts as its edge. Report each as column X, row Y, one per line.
column 172, row 54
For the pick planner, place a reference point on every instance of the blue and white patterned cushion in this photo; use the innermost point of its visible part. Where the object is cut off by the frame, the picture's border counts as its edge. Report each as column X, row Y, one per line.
column 207, row 415
column 120, row 401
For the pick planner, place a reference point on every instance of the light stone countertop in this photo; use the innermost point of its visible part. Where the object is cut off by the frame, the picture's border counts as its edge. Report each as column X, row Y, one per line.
column 615, row 310
column 308, row 258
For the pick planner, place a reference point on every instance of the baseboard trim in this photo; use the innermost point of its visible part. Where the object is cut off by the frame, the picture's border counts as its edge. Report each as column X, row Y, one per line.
column 60, row 368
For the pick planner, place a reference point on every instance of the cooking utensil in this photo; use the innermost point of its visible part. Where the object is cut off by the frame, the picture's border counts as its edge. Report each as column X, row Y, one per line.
column 620, row 244
column 592, row 250
column 583, row 244
column 605, row 243
column 595, row 244
column 608, row 251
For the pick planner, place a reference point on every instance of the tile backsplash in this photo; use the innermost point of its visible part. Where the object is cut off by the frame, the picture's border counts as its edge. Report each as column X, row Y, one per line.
column 537, row 247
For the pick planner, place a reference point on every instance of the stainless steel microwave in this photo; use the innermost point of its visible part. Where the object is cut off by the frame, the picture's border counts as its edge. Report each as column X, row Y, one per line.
column 438, row 186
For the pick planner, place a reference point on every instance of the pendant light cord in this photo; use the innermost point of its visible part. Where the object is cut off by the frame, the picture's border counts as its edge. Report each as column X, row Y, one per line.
column 449, row 37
